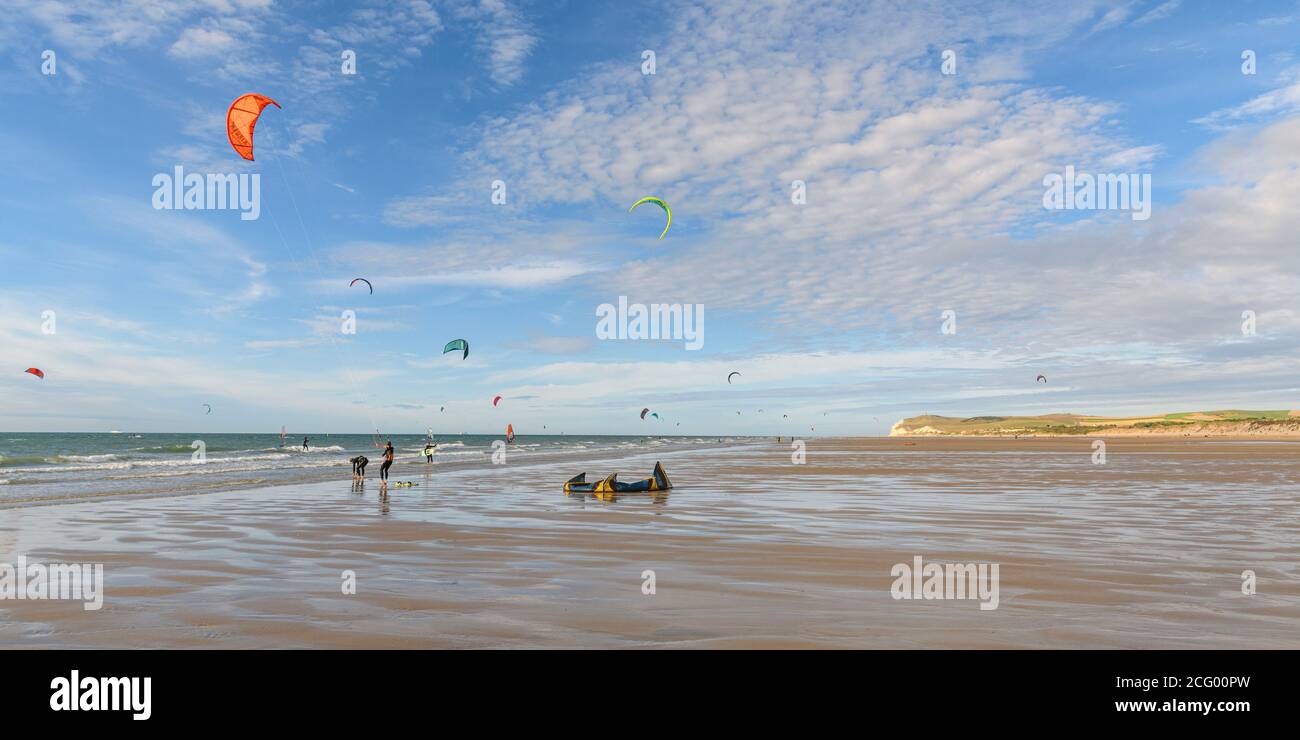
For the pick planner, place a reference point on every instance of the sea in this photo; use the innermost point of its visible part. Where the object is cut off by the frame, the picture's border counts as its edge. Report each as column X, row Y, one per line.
column 56, row 466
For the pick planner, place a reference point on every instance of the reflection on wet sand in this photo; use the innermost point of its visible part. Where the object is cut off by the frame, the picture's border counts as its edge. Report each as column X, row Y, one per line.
column 1147, row 550
column 654, row 497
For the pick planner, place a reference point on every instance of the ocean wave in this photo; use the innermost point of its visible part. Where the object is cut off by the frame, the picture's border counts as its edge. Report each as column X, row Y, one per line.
column 83, row 458
column 298, row 450
column 461, row 453
column 180, row 448
column 261, row 460
column 14, row 462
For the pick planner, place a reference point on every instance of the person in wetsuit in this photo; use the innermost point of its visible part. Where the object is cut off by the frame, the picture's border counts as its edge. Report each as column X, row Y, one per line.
column 359, row 466
column 388, row 462
column 304, row 444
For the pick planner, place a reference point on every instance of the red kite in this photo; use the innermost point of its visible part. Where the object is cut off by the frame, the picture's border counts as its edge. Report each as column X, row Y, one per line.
column 37, row 372
column 496, row 400
column 240, row 120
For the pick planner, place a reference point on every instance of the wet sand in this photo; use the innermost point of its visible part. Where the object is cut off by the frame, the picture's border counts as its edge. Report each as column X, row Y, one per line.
column 749, row 550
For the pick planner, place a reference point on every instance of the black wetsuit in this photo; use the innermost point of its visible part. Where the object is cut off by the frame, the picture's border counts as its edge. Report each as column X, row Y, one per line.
column 388, row 461
column 304, row 444
column 359, row 465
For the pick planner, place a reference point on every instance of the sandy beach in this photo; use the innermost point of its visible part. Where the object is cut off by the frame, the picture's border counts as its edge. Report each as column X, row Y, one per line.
column 749, row 550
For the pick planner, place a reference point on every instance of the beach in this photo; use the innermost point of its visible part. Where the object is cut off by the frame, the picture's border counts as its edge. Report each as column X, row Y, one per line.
column 749, row 550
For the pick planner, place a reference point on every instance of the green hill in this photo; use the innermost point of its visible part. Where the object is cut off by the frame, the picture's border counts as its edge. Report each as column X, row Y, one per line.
column 1228, row 421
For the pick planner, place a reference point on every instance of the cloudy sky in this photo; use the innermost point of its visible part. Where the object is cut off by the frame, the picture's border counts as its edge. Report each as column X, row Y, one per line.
column 924, row 194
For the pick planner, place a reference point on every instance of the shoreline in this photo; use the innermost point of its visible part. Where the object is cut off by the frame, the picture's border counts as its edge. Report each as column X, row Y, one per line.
column 340, row 470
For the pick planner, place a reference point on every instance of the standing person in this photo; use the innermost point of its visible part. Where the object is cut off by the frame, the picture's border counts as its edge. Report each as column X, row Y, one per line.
column 429, row 449
column 388, row 462
column 304, row 444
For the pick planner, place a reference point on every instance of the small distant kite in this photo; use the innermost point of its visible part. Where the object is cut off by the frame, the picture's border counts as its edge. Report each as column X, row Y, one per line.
column 442, row 408
column 496, row 400
column 241, row 118
column 209, row 407
column 362, row 280
column 733, row 372
column 36, row 371
column 510, row 433
column 659, row 202
column 1042, row 378
column 457, row 344
column 785, row 416
column 655, row 415
column 644, row 412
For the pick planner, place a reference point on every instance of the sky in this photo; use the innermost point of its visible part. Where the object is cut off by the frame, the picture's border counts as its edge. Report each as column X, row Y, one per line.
column 923, row 192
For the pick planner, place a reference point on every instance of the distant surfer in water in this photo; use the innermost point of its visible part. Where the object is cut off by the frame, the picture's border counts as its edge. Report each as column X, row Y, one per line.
column 388, row 462
column 304, row 444
column 359, row 464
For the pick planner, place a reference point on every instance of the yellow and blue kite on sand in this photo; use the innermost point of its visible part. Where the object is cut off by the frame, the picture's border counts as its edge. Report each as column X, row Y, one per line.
column 658, row 481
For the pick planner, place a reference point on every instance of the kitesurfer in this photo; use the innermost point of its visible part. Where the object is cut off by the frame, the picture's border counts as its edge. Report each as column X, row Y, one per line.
column 388, row 463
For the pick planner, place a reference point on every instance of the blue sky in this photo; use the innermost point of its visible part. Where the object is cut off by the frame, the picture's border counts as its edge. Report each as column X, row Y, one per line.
column 924, row 194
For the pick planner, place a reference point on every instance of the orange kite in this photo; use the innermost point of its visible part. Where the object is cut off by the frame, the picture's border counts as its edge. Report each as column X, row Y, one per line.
column 240, row 120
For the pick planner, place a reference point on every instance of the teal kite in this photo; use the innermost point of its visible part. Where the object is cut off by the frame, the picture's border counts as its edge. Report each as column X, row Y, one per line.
column 457, row 344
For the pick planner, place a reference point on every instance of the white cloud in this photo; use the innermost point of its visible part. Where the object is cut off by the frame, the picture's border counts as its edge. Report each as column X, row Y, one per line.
column 202, row 42
column 430, row 210
column 551, row 345
column 523, row 275
column 1113, row 17
column 1160, row 12
column 1278, row 102
column 505, row 38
